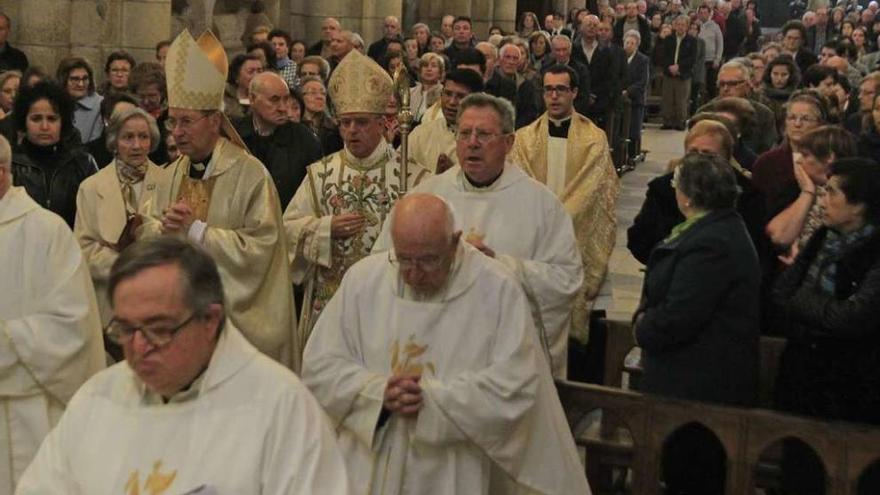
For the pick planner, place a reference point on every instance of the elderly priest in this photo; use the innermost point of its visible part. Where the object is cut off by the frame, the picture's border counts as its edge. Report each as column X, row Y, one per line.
column 219, row 196
column 513, row 218
column 49, row 323
column 194, row 408
column 428, row 362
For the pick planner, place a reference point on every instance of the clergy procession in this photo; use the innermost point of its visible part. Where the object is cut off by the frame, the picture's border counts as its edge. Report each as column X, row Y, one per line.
column 333, row 267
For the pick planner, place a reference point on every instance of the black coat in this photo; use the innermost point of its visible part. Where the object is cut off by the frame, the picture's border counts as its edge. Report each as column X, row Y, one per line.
column 660, row 213
column 285, row 154
column 698, row 323
column 605, row 78
column 869, row 144
column 13, row 59
column 829, row 367
column 638, row 76
column 687, row 55
column 55, row 185
column 644, row 32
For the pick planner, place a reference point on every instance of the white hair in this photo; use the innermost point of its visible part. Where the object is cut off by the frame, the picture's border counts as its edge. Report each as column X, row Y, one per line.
column 633, row 33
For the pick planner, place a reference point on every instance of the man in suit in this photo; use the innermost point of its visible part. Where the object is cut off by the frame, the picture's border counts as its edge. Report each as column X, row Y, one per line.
column 562, row 54
column 631, row 21
column 604, row 83
column 794, row 35
column 678, row 56
column 527, row 103
column 555, row 24
column 636, row 88
column 821, row 32
column 391, row 32
column 328, row 26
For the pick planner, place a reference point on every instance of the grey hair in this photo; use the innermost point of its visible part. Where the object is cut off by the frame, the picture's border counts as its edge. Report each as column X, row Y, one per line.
column 562, row 37
column 501, row 107
column 118, row 119
column 708, row 181
column 426, row 59
column 200, row 278
column 739, row 65
column 5, row 153
column 633, row 33
column 512, row 45
column 682, row 17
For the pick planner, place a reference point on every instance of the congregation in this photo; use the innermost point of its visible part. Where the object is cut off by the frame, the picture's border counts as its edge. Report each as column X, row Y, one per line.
column 328, row 266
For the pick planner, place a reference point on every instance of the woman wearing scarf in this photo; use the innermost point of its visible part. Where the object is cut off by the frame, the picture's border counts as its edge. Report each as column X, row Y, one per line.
column 107, row 202
column 830, row 297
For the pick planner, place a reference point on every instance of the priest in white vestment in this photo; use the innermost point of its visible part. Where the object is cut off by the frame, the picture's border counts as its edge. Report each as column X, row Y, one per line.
column 49, row 324
column 427, row 361
column 432, row 144
column 339, row 209
column 195, row 408
column 221, row 197
column 512, row 218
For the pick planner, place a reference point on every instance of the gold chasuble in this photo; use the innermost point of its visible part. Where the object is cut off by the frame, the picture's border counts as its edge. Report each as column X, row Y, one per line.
column 239, row 206
column 589, row 196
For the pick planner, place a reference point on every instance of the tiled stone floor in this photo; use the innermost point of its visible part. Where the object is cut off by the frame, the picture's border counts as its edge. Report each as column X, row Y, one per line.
column 619, row 295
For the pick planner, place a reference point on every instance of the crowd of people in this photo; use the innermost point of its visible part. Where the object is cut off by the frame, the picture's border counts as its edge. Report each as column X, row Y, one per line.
column 262, row 263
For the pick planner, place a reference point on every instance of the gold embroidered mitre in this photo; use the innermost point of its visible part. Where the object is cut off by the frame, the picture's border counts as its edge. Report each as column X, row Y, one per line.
column 360, row 85
column 196, row 72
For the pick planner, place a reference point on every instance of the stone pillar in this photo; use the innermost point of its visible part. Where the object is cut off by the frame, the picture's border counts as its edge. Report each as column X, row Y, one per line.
column 49, row 30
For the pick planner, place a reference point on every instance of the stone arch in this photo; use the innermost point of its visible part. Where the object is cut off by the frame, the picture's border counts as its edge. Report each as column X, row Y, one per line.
column 790, row 464
column 693, row 459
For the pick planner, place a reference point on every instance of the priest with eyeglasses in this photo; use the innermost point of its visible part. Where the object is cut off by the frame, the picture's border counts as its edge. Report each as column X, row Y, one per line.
column 194, row 408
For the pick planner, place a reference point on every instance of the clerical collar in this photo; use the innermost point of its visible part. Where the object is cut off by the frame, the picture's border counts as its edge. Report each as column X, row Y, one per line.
column 380, row 155
column 197, row 169
column 559, row 128
column 482, row 187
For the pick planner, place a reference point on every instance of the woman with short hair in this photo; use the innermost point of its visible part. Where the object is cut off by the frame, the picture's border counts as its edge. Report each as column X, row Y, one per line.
column 830, row 297
column 108, row 202
column 77, row 78
column 432, row 69
column 803, row 216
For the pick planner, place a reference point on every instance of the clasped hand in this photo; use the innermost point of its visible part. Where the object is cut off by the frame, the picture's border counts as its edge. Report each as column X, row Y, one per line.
column 403, row 394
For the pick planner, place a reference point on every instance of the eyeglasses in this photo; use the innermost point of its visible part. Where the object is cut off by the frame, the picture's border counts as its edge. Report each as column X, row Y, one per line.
column 426, row 264
column 120, row 71
column 185, row 123
column 801, row 119
column 483, row 137
column 730, row 84
column 78, row 80
column 158, row 336
column 315, row 92
column 560, row 90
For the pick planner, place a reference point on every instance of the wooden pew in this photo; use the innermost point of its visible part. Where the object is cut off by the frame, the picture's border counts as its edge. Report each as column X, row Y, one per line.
column 633, row 428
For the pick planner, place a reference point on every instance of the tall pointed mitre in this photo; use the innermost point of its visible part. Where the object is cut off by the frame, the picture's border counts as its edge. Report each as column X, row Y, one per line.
column 195, row 71
column 360, row 85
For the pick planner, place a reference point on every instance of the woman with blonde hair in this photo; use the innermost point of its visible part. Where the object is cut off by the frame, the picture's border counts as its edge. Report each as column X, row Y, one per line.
column 432, row 68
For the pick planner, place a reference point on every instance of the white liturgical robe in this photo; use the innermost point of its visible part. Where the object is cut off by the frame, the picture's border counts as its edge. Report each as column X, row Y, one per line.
column 251, row 428
column 49, row 326
column 490, row 420
column 531, row 234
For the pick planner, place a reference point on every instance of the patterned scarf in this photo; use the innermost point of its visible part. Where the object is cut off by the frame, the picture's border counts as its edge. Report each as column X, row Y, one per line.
column 822, row 273
column 128, row 176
